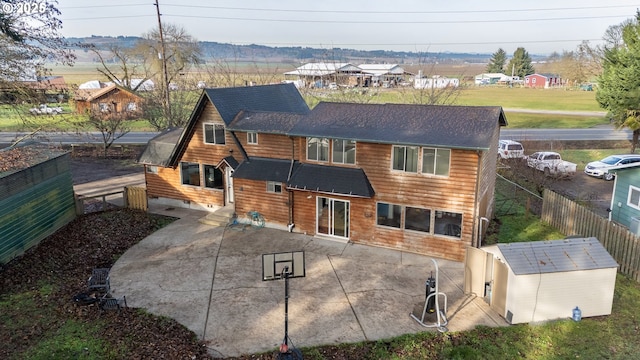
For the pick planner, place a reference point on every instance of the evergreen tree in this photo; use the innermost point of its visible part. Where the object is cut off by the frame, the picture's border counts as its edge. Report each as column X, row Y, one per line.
column 497, row 62
column 520, row 64
column 619, row 84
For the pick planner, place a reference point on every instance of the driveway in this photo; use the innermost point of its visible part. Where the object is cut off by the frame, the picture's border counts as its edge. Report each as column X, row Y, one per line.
column 210, row 280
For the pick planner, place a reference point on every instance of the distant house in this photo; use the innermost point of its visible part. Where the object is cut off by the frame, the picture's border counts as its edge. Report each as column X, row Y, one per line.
column 625, row 199
column 385, row 75
column 112, row 99
column 543, row 81
column 490, row 78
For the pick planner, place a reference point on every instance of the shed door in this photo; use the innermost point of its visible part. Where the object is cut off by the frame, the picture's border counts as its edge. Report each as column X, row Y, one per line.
column 474, row 271
column 499, row 287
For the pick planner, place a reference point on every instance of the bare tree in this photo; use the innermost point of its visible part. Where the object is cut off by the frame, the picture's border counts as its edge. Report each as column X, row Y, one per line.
column 111, row 126
column 128, row 65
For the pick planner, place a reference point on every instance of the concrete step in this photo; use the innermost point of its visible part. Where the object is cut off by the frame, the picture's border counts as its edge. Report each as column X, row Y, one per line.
column 220, row 217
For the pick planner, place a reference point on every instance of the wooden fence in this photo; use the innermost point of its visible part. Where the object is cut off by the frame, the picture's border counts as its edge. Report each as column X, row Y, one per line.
column 573, row 219
column 135, row 198
column 132, row 197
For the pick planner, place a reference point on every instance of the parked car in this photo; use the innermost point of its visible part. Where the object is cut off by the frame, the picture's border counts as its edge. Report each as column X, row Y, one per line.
column 333, row 86
column 44, row 109
column 551, row 164
column 509, row 149
column 599, row 168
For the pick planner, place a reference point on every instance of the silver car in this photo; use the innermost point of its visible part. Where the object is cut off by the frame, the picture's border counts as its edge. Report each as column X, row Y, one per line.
column 599, row 168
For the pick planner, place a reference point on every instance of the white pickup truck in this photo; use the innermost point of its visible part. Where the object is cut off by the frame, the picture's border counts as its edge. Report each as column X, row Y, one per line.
column 551, row 164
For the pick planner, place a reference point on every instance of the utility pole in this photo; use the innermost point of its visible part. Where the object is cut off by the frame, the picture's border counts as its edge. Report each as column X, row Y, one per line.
column 165, row 76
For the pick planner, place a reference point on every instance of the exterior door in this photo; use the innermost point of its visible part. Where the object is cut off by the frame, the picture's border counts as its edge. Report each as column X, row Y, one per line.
column 228, row 180
column 332, row 217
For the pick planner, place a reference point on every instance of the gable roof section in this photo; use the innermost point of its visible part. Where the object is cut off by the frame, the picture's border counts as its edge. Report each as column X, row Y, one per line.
column 323, row 68
column 264, row 169
column 331, row 180
column 463, row 127
column 283, row 98
column 93, row 94
column 264, row 122
column 539, row 257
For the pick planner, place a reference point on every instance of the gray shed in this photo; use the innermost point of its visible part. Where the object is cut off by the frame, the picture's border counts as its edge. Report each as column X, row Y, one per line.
column 543, row 280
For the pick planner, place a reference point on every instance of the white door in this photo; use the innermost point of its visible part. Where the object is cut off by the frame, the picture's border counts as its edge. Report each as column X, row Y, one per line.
column 332, row 217
column 228, row 171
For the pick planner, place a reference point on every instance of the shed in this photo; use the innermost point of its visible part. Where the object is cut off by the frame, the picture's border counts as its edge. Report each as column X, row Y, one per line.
column 543, row 280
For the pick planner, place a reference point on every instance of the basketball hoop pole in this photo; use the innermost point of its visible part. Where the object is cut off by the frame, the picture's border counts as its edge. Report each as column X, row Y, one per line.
column 285, row 273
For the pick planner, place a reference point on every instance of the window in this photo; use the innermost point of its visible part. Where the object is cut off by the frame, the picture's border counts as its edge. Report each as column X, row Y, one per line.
column 252, row 138
column 274, row 187
column 152, row 169
column 132, row 106
column 318, row 149
column 344, row 151
column 436, row 161
column 104, row 107
column 212, row 177
column 190, row 173
column 634, row 197
column 214, row 134
column 405, row 158
column 447, row 223
column 417, row 219
column 389, row 214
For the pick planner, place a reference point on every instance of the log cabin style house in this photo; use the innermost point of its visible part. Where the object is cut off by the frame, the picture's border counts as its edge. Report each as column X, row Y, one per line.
column 109, row 100
column 417, row 178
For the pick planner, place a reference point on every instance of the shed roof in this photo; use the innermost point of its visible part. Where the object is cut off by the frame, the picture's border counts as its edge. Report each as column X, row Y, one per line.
column 263, row 169
column 331, row 180
column 539, row 257
column 160, row 148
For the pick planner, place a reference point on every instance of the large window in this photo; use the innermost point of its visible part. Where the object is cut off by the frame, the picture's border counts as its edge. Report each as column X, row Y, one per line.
column 344, row 151
column 417, row 219
column 436, row 161
column 214, row 134
column 389, row 215
column 405, row 158
column 318, row 149
column 448, row 223
column 212, row 177
column 190, row 173
column 634, row 197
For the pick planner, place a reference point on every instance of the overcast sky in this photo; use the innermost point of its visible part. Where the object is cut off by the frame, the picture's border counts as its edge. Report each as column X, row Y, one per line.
column 473, row 26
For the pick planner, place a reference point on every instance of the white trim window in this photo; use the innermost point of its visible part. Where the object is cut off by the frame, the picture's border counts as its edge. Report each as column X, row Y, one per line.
column 213, row 177
column 405, row 158
column 252, row 138
column 190, row 173
column 389, row 215
column 274, row 187
column 317, row 149
column 436, row 161
column 633, row 199
column 214, row 134
column 344, row 151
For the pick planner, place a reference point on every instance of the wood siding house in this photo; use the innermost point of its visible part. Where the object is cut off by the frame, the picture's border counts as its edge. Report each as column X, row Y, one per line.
column 625, row 199
column 412, row 177
column 112, row 99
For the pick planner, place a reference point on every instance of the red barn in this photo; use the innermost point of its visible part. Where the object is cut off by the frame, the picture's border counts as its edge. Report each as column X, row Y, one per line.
column 542, row 81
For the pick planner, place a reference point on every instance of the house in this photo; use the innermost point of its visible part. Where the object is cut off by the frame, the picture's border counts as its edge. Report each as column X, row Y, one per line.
column 625, row 198
column 543, row 280
column 414, row 177
column 384, row 75
column 112, row 99
column 490, row 78
column 321, row 74
column 544, row 81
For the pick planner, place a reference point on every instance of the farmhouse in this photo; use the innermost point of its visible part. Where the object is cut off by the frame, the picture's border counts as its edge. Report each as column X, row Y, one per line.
column 321, row 74
column 112, row 99
column 413, row 177
column 544, row 81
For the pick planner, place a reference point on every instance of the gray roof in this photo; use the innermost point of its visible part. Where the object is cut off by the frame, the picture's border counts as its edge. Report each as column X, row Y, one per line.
column 464, row 127
column 263, row 169
column 331, row 180
column 160, row 148
column 540, row 257
column 273, row 98
column 264, row 122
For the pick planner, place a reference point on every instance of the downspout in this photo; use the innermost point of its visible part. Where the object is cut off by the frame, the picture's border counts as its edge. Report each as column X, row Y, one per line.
column 289, row 192
column 474, row 242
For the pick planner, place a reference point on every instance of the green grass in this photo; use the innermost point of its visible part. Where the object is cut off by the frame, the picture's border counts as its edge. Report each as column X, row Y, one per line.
column 526, row 98
column 518, row 120
column 582, row 157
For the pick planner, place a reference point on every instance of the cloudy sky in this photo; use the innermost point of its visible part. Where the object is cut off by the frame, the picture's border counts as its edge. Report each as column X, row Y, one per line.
column 541, row 27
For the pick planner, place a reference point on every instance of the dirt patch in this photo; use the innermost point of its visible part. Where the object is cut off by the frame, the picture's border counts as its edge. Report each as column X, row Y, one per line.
column 89, row 163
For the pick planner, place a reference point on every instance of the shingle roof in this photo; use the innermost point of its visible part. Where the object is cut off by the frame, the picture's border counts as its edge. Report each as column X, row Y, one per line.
column 540, row 257
column 264, row 122
column 465, row 127
column 331, row 180
column 275, row 98
column 160, row 148
column 263, row 169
